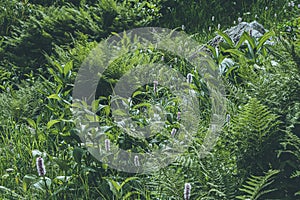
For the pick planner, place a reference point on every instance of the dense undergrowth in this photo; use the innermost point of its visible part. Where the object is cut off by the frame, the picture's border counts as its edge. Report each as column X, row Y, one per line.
column 44, row 43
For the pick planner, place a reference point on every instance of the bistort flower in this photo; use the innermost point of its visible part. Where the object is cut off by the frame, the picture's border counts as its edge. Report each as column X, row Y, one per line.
column 136, row 161
column 107, row 144
column 40, row 166
column 187, row 191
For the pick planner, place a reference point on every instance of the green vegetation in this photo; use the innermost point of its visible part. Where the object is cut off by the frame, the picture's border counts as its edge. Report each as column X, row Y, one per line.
column 42, row 46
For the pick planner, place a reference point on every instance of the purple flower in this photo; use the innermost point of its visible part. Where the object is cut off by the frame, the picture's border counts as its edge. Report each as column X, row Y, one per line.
column 291, row 4
column 189, row 78
column 136, row 161
column 187, row 191
column 173, row 132
column 250, row 32
column 228, row 118
column 107, row 144
column 155, row 83
column 40, row 166
column 178, row 116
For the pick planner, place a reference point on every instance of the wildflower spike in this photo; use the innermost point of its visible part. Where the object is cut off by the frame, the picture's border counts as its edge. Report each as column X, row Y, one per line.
column 187, row 191
column 155, row 83
column 107, row 144
column 189, row 78
column 40, row 166
column 136, row 161
column 173, row 132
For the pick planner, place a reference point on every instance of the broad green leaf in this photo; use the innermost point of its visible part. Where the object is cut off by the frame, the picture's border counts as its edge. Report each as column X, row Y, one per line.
column 54, row 96
column 114, row 186
column 264, row 38
column 77, row 154
column 119, row 112
column 31, row 123
column 137, row 93
column 250, row 40
column 62, row 179
column 127, row 180
column 235, row 52
column 95, row 105
column 42, row 183
column 226, row 38
column 148, row 105
column 224, row 46
column 59, row 67
column 27, row 180
column 63, row 165
column 52, row 122
column 68, row 67
column 243, row 38
column 129, row 194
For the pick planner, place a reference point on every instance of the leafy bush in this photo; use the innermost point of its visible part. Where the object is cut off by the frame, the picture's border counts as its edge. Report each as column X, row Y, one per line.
column 18, row 105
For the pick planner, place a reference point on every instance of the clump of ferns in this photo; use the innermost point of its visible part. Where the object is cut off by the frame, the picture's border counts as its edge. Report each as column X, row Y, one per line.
column 253, row 131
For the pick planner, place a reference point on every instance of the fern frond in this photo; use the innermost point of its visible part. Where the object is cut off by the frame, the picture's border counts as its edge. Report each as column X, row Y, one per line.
column 291, row 145
column 253, row 126
column 256, row 186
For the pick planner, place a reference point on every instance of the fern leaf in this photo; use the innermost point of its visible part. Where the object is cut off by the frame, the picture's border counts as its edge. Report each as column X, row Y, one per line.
column 256, row 186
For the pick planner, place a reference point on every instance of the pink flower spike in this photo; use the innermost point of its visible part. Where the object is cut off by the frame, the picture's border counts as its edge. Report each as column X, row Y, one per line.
column 178, row 116
column 187, row 191
column 189, row 78
column 107, row 144
column 173, row 132
column 155, row 83
column 40, row 166
column 136, row 161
